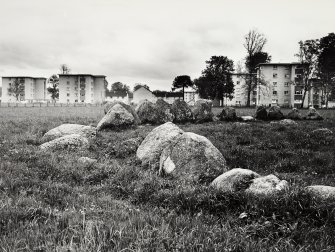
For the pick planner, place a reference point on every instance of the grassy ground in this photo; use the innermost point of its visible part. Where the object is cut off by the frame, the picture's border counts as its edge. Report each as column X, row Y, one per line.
column 49, row 202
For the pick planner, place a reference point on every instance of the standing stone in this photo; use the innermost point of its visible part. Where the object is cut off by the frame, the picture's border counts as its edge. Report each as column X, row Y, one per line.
column 147, row 112
column 228, row 114
column 129, row 108
column 275, row 113
column 313, row 115
column 163, row 110
column 202, row 111
column 181, row 111
column 192, row 157
column 152, row 146
column 68, row 129
column 234, row 180
column 261, row 113
column 294, row 114
column 116, row 117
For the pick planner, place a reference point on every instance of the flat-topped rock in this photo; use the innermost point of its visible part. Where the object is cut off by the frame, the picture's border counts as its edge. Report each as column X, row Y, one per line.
column 72, row 142
column 68, row 129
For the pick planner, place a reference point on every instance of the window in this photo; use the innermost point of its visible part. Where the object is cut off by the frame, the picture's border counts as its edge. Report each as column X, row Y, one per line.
column 274, row 83
column 68, row 89
column 274, row 92
column 274, row 100
column 285, row 101
column 299, row 71
column 68, row 83
column 286, row 84
column 298, row 92
column 237, row 82
column 285, row 92
column 254, row 93
column 68, row 100
column 68, row 94
column 275, row 67
column 76, row 94
column 275, row 75
column 75, row 100
column 287, row 76
column 287, row 67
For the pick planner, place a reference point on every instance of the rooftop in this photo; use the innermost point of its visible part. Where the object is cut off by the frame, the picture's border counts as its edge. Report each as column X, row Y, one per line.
column 279, row 64
column 24, row 77
column 103, row 76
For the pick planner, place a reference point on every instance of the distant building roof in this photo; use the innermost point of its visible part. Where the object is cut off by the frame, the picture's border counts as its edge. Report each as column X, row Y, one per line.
column 103, row 76
column 279, row 64
column 116, row 93
column 24, row 77
column 159, row 93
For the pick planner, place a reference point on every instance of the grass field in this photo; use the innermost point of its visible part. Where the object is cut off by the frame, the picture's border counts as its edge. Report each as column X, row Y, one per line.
column 49, row 202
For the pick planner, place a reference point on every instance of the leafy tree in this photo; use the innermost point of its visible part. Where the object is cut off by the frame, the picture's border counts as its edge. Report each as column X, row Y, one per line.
column 53, row 89
column 254, row 43
column 182, row 81
column 16, row 88
column 216, row 81
column 139, row 85
column 326, row 66
column 64, row 69
column 119, row 86
column 308, row 55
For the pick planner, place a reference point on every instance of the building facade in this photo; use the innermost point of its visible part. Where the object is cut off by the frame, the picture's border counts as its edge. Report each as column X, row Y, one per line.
column 34, row 89
column 82, row 88
column 284, row 86
column 190, row 96
column 240, row 96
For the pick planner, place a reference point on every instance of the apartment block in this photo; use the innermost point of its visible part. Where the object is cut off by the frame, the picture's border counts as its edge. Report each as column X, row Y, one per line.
column 34, row 89
column 240, row 95
column 284, row 86
column 82, row 88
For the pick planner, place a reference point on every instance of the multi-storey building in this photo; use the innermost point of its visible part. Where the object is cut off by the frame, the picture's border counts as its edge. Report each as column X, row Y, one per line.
column 283, row 86
column 240, row 96
column 84, row 88
column 33, row 90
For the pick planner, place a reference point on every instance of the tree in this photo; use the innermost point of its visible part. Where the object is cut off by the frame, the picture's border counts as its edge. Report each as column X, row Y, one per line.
column 119, row 86
column 16, row 88
column 53, row 89
column 139, row 85
column 216, row 81
column 326, row 66
column 64, row 69
column 182, row 81
column 308, row 55
column 254, row 43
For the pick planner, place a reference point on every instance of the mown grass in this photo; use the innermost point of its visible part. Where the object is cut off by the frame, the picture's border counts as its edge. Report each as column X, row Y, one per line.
column 49, row 202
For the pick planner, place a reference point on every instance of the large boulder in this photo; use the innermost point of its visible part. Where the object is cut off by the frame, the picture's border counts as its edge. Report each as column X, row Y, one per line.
column 192, row 157
column 234, row 180
column 275, row 113
column 181, row 111
column 202, row 111
column 73, row 142
column 152, row 146
column 321, row 192
column 163, row 110
column 147, row 112
column 267, row 185
column 261, row 113
column 68, row 129
column 228, row 114
column 116, row 117
column 129, row 108
column 313, row 115
column 322, row 135
column 294, row 114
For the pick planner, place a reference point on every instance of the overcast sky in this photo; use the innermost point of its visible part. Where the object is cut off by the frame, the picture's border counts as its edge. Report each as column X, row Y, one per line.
column 149, row 41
